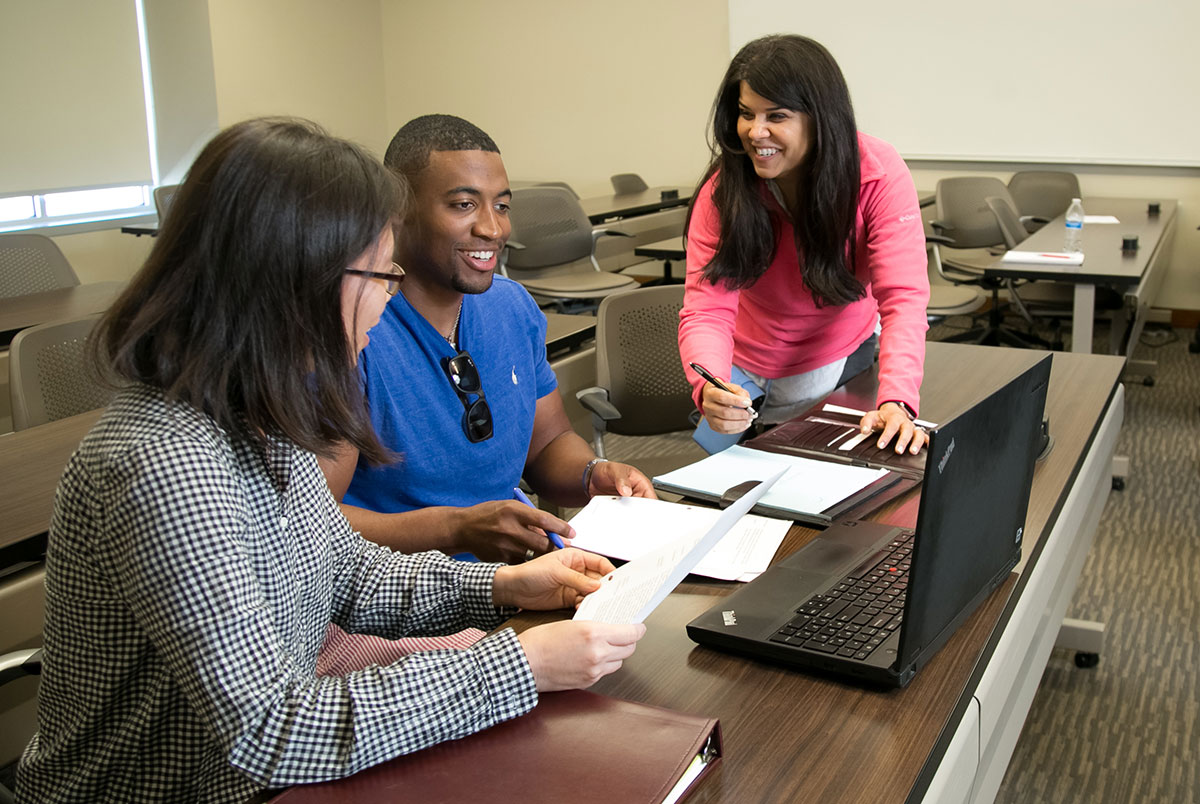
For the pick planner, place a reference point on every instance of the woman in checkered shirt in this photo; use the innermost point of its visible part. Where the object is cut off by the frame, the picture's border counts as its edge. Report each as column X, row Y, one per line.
column 196, row 556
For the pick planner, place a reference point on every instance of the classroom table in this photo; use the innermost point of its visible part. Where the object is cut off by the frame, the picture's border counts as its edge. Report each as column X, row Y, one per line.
column 627, row 205
column 669, row 250
column 20, row 312
column 31, row 462
column 947, row 737
column 566, row 332
column 1135, row 273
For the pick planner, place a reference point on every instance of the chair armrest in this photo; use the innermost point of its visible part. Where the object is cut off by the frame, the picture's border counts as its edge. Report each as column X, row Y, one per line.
column 941, row 227
column 937, row 238
column 595, row 399
column 599, row 233
column 515, row 245
column 20, row 663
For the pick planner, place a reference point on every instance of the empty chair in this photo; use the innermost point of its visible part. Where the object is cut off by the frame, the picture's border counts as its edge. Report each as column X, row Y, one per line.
column 628, row 183
column 1041, row 195
column 966, row 222
column 553, row 249
column 32, row 263
column 640, row 386
column 561, row 184
column 164, row 194
column 48, row 376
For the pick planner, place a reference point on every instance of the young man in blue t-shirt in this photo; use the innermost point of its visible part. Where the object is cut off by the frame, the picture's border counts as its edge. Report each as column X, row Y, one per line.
column 464, row 441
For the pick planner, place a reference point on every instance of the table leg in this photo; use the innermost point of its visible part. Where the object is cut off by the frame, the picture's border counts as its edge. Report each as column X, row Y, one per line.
column 1081, row 318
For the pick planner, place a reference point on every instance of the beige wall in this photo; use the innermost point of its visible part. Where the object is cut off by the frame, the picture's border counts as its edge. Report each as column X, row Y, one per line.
column 311, row 58
column 569, row 91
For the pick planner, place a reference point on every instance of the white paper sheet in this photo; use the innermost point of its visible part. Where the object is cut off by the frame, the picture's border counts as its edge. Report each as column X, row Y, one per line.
column 628, row 527
column 635, row 589
column 809, row 486
column 1087, row 219
column 1043, row 257
column 830, row 408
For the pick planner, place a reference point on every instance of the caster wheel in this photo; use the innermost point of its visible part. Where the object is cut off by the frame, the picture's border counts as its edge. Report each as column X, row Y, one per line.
column 1118, row 484
column 1148, row 382
column 1086, row 660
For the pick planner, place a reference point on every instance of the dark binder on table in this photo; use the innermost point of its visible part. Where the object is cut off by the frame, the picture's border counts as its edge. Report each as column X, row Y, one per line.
column 574, row 746
column 819, row 434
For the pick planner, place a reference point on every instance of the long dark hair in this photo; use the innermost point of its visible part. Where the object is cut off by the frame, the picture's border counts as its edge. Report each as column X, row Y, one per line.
column 237, row 310
column 799, row 74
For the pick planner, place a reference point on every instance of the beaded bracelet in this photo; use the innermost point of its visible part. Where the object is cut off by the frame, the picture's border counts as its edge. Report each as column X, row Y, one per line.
column 587, row 474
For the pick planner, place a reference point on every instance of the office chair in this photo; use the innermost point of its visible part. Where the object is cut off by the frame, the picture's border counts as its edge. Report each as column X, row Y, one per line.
column 551, row 237
column 47, row 373
column 561, row 184
column 968, row 239
column 628, row 183
column 13, row 666
column 32, row 263
column 1039, row 196
column 640, row 389
column 164, row 194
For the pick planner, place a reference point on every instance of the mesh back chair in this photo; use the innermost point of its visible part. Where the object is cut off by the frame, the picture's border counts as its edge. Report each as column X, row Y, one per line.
column 640, row 386
column 553, row 249
column 31, row 263
column 47, row 373
column 1041, row 195
column 163, row 196
column 966, row 223
column 628, row 183
column 561, row 184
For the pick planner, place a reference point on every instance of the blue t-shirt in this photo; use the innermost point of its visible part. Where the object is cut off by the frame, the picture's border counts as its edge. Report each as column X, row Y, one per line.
column 417, row 413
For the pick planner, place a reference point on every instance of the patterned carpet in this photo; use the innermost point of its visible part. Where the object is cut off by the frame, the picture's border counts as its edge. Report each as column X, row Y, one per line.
column 1127, row 730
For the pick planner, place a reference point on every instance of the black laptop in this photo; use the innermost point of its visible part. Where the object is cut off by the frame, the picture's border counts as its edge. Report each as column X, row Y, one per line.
column 874, row 602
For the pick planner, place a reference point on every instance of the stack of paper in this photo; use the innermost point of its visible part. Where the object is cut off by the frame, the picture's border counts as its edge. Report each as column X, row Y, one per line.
column 628, row 527
column 633, row 590
column 1044, row 257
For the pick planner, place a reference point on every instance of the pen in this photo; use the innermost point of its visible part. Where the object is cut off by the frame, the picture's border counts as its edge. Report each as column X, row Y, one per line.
column 708, row 376
column 555, row 539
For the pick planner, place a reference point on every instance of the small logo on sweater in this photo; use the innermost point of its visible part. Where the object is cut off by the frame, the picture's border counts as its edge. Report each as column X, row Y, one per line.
column 514, row 375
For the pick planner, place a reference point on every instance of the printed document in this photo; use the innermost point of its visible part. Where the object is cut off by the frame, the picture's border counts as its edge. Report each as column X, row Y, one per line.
column 629, row 594
column 628, row 527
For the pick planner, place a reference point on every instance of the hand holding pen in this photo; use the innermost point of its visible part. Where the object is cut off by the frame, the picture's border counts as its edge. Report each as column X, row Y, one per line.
column 728, row 409
column 554, row 538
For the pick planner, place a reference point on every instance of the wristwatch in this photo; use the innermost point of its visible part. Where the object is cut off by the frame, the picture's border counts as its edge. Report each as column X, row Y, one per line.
column 903, row 406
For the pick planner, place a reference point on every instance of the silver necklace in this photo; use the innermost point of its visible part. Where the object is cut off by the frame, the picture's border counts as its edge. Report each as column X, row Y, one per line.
column 452, row 338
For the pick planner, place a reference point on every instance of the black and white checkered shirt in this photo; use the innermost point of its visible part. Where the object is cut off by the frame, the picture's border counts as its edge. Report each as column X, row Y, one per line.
column 189, row 583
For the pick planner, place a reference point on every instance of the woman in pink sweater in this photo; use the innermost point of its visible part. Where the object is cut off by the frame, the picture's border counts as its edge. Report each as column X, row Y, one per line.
column 804, row 242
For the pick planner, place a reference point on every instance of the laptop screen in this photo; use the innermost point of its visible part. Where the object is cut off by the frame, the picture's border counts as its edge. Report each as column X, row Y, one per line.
column 973, row 503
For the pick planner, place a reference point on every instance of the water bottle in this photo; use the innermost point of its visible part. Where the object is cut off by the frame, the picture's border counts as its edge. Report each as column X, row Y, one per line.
column 1074, row 238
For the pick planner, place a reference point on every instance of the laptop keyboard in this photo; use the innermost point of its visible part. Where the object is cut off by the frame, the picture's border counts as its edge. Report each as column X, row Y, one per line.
column 855, row 616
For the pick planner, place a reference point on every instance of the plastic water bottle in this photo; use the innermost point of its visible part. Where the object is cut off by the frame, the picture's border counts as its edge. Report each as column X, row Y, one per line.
column 1074, row 239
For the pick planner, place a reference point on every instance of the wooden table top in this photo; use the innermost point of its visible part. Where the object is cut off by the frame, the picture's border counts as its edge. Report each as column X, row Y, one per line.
column 790, row 736
column 603, row 207
column 19, row 312
column 31, row 462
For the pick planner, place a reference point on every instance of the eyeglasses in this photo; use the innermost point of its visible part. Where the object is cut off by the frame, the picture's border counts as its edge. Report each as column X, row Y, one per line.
column 464, row 377
column 393, row 279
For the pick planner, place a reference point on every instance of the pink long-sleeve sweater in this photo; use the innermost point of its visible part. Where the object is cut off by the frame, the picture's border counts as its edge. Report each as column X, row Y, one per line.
column 773, row 328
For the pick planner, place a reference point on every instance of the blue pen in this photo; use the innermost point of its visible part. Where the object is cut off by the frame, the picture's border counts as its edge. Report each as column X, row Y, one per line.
column 555, row 539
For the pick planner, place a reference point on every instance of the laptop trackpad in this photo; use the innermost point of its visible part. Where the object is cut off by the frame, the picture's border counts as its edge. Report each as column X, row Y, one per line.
column 840, row 547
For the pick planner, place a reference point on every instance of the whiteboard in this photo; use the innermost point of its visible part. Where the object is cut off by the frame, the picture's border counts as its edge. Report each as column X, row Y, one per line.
column 1019, row 81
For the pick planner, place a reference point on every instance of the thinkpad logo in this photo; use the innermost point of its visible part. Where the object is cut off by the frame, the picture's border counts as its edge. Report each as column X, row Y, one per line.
column 945, row 457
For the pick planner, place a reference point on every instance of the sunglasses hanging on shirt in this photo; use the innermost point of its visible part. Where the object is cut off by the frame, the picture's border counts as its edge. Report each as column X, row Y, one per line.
column 464, row 378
